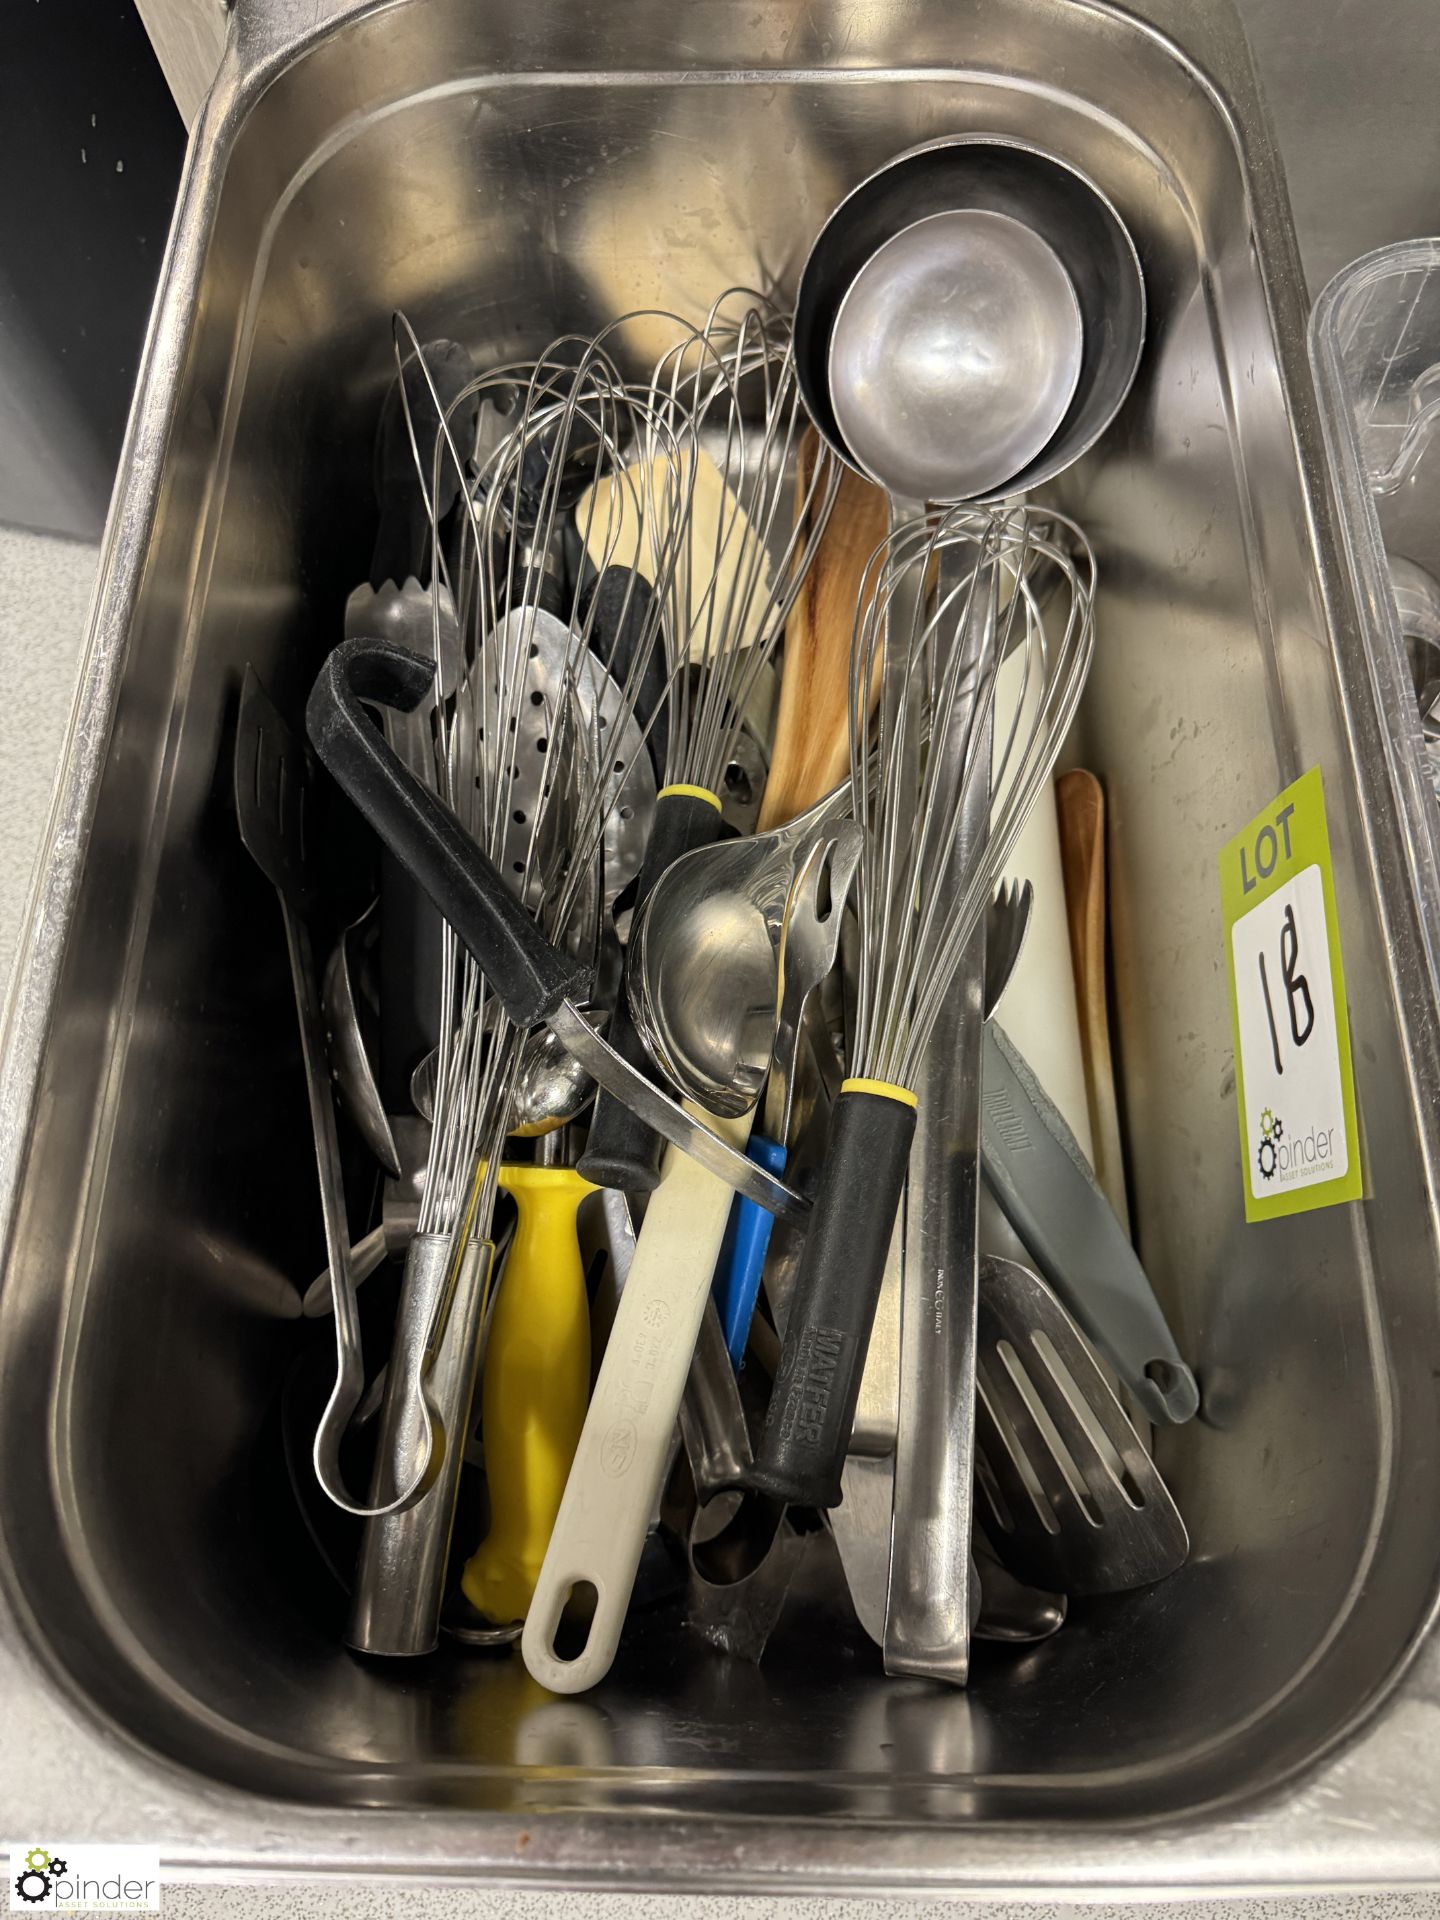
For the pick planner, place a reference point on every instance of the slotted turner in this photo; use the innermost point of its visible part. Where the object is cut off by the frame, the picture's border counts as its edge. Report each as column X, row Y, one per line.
column 1071, row 1500
column 557, row 665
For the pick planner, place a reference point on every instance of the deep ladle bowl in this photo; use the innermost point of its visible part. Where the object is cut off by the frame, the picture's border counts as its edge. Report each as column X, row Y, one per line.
column 852, row 260
column 955, row 355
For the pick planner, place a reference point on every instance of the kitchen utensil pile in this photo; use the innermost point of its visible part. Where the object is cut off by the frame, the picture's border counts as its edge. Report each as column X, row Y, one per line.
column 620, row 1034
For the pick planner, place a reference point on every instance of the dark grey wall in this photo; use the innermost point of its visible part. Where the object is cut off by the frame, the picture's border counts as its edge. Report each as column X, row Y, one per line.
column 1354, row 94
column 90, row 153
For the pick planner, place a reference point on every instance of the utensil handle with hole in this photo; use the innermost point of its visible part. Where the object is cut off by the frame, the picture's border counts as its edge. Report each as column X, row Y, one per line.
column 525, row 972
column 1046, row 1191
column 812, row 1408
column 625, row 1443
column 622, row 1150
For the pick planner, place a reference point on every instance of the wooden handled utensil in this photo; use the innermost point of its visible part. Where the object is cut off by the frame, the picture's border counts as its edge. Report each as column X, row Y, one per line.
column 1080, row 805
column 812, row 731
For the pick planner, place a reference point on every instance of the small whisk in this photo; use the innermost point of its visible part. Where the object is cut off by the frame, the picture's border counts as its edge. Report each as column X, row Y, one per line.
column 729, row 391
column 939, row 651
column 724, row 425
column 545, row 760
column 536, row 754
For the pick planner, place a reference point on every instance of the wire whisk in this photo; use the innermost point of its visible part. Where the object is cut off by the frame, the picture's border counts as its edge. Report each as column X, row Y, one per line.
column 544, row 755
column 535, row 751
column 728, row 391
column 980, row 630
column 724, row 423
column 940, row 656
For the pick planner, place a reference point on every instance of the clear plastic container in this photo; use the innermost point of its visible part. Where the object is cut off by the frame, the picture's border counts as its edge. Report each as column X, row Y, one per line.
column 1375, row 351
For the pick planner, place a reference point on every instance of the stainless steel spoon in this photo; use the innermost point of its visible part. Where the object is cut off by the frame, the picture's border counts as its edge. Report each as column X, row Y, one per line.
column 551, row 1087
column 706, row 970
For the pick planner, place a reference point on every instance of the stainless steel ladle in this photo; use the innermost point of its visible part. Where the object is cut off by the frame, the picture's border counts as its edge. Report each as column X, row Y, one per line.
column 707, row 965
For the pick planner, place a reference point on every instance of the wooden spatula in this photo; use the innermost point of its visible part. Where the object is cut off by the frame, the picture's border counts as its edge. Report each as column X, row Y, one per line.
column 1080, row 806
column 812, row 731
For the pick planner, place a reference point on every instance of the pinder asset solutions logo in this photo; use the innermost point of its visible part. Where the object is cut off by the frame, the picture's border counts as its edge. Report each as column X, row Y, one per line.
column 1294, row 1155
column 84, row 1879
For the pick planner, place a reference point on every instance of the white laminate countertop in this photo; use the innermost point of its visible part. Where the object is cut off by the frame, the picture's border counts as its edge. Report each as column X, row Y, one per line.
column 369, row 1900
column 360, row 1901
column 45, row 588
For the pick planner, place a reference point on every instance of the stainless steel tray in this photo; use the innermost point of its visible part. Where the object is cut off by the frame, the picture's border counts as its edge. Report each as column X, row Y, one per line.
column 169, row 1656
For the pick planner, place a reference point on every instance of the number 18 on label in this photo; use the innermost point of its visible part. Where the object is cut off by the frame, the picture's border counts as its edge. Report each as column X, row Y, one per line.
column 1293, row 1081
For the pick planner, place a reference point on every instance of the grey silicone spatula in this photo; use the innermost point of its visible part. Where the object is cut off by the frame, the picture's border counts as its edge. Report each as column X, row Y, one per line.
column 1045, row 1188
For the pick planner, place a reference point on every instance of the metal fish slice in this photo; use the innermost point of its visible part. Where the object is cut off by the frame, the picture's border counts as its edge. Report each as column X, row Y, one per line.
column 1071, row 1500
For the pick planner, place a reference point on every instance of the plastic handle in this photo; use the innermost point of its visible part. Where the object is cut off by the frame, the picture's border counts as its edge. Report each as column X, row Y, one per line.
column 623, row 621
column 536, row 1385
column 742, row 1258
column 1048, row 1194
column 822, row 1358
column 625, row 1446
column 622, row 1150
column 530, row 978
column 410, row 948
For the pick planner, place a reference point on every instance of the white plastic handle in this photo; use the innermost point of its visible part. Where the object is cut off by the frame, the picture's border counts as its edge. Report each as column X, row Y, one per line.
column 625, row 1444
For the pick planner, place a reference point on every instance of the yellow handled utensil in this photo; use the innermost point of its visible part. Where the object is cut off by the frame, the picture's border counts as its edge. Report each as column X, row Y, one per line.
column 535, row 1390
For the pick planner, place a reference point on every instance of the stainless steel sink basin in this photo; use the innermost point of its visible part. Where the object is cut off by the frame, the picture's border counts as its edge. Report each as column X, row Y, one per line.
column 169, row 1636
